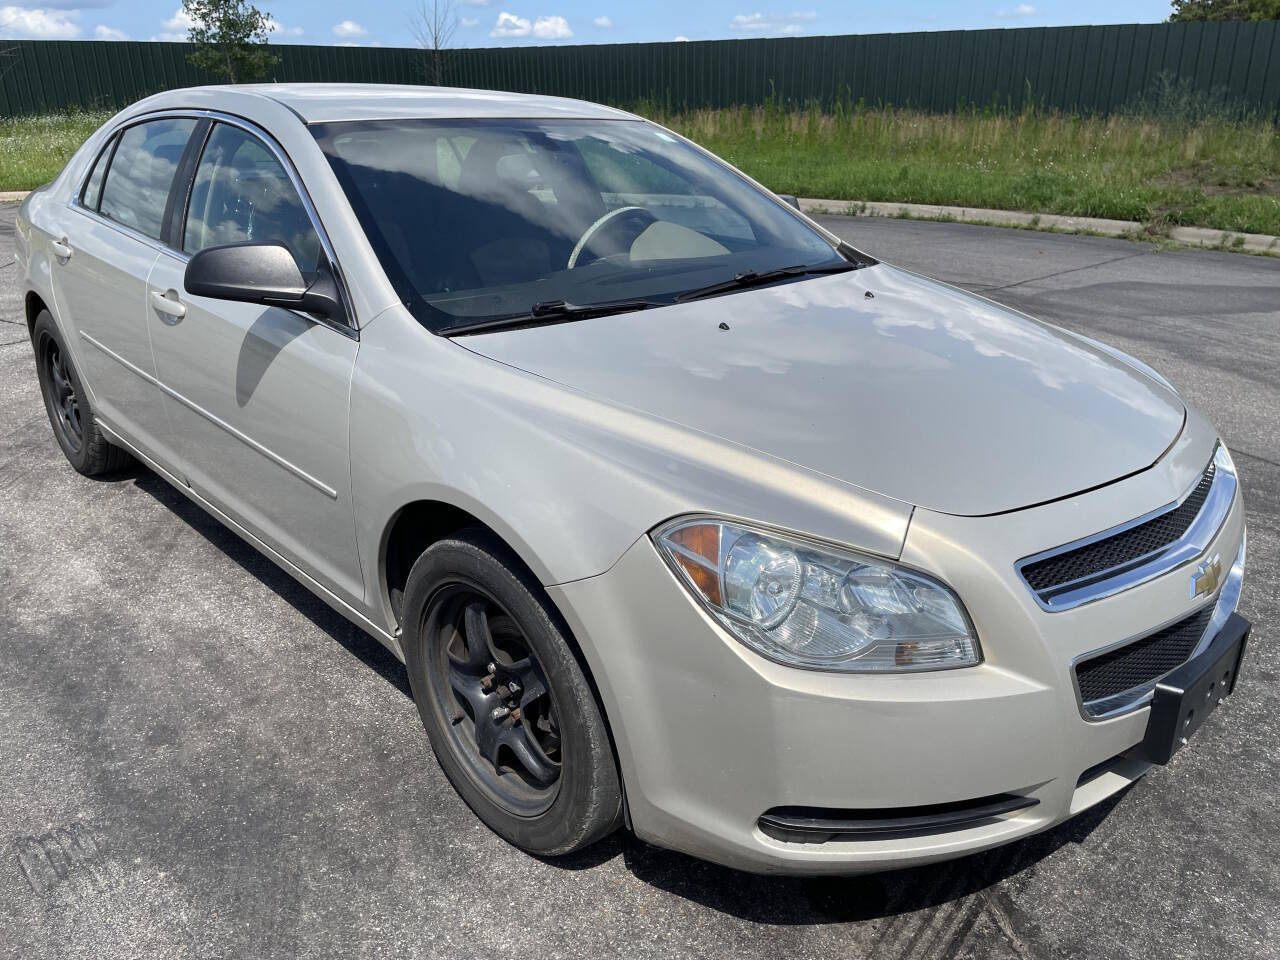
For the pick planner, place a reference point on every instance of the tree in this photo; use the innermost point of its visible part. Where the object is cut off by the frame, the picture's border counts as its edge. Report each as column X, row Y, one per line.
column 433, row 24
column 1225, row 10
column 230, row 38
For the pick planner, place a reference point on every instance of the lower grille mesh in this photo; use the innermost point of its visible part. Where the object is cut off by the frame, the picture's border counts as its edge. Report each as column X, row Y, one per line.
column 1142, row 661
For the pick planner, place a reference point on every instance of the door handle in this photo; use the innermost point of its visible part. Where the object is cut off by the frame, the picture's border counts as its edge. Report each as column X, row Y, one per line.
column 167, row 305
column 60, row 249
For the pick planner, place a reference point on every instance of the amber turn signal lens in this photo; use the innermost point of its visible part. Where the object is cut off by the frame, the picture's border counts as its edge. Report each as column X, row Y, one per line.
column 703, row 540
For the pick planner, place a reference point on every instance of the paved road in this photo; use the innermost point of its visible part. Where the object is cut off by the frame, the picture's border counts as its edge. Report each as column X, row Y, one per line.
column 198, row 759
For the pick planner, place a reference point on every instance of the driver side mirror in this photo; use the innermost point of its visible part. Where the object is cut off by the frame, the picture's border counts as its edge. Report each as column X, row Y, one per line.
column 263, row 273
column 789, row 200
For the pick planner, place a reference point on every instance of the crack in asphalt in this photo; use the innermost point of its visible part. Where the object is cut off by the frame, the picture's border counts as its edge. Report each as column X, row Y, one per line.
column 1061, row 273
column 1253, row 456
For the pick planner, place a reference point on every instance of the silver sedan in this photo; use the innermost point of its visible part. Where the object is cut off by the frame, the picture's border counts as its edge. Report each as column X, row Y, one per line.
column 681, row 512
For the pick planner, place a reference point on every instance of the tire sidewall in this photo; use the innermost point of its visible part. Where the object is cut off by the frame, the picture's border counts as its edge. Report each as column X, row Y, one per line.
column 44, row 332
column 588, row 802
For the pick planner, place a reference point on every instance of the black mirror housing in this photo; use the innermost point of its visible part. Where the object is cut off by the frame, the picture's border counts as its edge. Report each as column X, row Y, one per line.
column 789, row 200
column 263, row 273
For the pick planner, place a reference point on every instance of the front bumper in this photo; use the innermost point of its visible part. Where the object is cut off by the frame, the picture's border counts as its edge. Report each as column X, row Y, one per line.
column 711, row 736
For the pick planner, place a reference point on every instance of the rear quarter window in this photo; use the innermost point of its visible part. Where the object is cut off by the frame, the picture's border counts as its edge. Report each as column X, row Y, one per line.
column 142, row 171
column 92, row 192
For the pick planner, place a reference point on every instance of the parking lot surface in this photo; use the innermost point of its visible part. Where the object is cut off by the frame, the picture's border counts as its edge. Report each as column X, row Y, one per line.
column 199, row 759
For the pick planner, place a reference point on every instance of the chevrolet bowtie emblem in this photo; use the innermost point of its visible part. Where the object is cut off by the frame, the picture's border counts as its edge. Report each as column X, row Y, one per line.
column 1206, row 576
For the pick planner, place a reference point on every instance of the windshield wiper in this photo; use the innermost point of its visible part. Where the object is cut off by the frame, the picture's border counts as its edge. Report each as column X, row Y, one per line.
column 753, row 278
column 549, row 311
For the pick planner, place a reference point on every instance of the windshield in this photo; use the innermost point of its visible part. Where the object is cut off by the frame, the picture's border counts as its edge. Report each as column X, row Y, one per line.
column 479, row 220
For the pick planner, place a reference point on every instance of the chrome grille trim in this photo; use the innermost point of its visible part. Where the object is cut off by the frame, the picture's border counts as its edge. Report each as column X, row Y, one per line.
column 1112, row 580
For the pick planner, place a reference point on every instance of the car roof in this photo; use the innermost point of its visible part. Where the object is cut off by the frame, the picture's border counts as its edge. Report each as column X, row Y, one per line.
column 329, row 102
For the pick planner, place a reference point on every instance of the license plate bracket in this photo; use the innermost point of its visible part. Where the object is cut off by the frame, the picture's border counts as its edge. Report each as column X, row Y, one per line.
column 1187, row 696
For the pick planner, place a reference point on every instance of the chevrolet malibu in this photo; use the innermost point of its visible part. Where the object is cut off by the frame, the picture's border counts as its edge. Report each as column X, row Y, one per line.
column 681, row 512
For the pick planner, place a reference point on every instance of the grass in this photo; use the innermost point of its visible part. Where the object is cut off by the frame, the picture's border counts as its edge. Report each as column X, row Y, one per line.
column 33, row 150
column 1160, row 170
column 1212, row 172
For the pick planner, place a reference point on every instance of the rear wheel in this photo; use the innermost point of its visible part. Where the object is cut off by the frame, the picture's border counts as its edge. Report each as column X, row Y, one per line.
column 511, row 717
column 70, row 412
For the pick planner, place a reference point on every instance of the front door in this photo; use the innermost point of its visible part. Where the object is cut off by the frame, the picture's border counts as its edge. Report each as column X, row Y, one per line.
column 258, row 396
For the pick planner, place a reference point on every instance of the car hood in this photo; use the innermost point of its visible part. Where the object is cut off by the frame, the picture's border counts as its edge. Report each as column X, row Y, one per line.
column 880, row 378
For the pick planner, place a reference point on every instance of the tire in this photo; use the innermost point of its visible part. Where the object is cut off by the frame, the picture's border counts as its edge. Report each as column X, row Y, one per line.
column 70, row 413
column 542, row 773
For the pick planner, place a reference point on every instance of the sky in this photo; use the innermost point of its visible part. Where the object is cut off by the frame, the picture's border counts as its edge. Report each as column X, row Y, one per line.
column 492, row 23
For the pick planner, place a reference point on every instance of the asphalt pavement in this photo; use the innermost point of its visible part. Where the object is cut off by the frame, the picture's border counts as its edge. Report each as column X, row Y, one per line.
column 198, row 759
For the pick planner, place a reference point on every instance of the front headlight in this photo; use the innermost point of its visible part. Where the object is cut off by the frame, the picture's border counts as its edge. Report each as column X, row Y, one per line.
column 815, row 606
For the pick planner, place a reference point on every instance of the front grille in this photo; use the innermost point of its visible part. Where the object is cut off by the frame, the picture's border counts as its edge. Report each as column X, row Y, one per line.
column 1141, row 663
column 1111, row 553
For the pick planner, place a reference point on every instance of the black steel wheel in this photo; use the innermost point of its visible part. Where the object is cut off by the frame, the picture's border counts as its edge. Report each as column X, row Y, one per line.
column 496, row 704
column 60, row 394
column 70, row 412
column 512, row 719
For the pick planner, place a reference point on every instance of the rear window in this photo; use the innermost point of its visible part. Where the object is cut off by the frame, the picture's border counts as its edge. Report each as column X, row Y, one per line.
column 142, row 171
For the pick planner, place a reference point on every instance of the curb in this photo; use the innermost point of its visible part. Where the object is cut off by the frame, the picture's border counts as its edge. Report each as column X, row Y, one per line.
column 13, row 196
column 1129, row 229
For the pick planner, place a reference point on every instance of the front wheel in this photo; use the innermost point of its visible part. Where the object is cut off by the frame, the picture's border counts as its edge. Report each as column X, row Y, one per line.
column 510, row 714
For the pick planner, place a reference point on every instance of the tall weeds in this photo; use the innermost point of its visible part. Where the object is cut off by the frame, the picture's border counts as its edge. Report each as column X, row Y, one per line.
column 1167, row 164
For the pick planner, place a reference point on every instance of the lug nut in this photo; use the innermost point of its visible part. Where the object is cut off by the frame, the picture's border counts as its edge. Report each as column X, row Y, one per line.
column 513, row 687
column 499, row 712
column 490, row 668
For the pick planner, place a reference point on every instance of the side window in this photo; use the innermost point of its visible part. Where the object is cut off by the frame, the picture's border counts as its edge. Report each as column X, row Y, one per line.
column 137, row 185
column 242, row 194
column 93, row 186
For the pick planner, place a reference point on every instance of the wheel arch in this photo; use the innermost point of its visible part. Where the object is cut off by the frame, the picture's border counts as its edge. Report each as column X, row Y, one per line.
column 422, row 522
column 34, row 304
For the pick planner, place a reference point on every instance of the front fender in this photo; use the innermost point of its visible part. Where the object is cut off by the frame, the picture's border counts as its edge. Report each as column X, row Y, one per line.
column 569, row 481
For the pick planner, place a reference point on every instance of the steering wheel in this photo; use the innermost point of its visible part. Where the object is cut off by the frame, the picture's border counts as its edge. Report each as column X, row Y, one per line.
column 611, row 234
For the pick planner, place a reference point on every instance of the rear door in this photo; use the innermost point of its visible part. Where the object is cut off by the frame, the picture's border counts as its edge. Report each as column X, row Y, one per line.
column 258, row 396
column 112, row 239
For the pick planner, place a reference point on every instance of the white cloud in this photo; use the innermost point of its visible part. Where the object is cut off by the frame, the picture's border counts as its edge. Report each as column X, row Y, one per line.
column 181, row 20
column 175, row 28
column 552, row 28
column 469, row 22
column 773, row 22
column 604, row 23
column 544, row 28
column 357, row 43
column 349, row 28
column 103, row 32
column 276, row 28
column 680, row 39
column 509, row 25
column 39, row 24
column 1018, row 12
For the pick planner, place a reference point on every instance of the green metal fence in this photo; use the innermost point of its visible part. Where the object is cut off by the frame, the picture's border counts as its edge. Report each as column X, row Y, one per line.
column 1086, row 69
